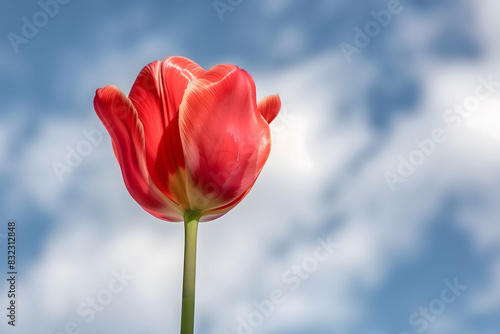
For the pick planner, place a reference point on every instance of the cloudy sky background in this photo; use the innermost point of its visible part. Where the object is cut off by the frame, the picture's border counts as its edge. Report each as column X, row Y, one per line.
column 343, row 126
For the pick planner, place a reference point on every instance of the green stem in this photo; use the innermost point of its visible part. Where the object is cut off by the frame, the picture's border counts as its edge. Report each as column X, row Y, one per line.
column 191, row 219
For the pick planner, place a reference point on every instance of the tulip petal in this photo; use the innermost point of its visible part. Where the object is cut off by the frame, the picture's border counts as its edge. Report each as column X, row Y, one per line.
column 157, row 94
column 225, row 140
column 119, row 116
column 269, row 107
column 212, row 214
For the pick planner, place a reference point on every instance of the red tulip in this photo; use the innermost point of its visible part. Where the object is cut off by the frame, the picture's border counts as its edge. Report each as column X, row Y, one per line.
column 190, row 144
column 188, row 139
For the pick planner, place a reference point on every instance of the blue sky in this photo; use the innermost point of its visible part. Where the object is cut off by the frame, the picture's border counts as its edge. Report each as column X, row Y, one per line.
column 390, row 153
